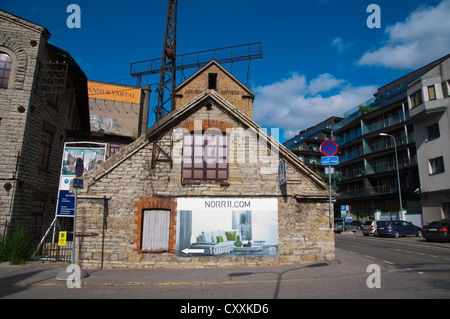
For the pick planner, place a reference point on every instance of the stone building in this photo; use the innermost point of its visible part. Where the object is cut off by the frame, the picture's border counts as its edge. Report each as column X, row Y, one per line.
column 43, row 98
column 202, row 189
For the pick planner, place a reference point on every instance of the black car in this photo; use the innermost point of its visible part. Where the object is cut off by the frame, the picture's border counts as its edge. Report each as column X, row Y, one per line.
column 437, row 230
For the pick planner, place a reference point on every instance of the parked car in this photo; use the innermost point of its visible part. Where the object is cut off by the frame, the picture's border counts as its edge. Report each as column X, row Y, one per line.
column 356, row 223
column 397, row 228
column 369, row 227
column 437, row 230
column 348, row 227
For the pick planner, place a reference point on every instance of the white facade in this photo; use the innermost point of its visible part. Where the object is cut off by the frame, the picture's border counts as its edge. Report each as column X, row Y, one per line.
column 428, row 101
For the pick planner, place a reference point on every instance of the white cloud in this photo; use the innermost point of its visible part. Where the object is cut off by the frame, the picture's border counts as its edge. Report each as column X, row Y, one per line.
column 324, row 83
column 420, row 39
column 340, row 46
column 293, row 104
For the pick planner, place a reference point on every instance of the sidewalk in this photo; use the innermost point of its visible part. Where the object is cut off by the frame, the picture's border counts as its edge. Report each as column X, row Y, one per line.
column 44, row 273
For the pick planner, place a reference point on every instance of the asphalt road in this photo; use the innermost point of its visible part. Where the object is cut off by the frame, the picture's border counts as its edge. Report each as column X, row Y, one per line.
column 413, row 267
column 409, row 268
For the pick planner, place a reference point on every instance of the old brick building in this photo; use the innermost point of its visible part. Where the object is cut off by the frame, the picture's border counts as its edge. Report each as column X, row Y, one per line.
column 43, row 97
column 201, row 188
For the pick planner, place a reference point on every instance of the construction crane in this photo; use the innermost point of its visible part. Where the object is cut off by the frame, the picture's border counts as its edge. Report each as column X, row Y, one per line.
column 166, row 81
column 167, row 78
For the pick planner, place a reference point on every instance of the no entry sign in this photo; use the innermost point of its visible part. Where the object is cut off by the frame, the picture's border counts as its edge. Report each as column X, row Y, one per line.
column 329, row 148
column 79, row 167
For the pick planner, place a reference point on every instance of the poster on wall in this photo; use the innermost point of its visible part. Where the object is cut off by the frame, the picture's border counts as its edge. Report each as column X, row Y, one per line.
column 227, row 227
column 92, row 154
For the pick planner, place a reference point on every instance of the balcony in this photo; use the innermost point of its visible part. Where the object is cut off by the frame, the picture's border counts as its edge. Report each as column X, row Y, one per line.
column 366, row 192
column 427, row 108
column 349, row 137
column 350, row 156
column 379, row 125
column 387, row 144
column 383, row 167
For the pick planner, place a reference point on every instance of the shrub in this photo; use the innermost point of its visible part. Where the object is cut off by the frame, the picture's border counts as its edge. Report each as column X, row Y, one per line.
column 16, row 247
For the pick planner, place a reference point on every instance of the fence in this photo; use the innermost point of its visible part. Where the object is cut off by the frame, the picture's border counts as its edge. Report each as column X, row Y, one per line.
column 44, row 239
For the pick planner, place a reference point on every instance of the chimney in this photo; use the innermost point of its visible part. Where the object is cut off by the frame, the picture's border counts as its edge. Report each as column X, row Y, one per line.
column 145, row 108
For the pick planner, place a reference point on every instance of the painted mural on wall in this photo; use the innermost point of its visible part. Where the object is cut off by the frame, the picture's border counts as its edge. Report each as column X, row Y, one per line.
column 227, row 227
column 104, row 123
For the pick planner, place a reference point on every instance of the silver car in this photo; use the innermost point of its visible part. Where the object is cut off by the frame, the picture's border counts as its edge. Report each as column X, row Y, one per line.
column 369, row 227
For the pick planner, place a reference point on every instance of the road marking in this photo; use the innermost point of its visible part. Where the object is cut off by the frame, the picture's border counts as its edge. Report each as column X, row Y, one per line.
column 369, row 257
column 433, row 256
column 419, row 272
column 388, row 262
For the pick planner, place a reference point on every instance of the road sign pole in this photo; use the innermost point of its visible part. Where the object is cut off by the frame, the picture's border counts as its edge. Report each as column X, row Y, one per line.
column 329, row 188
column 74, row 226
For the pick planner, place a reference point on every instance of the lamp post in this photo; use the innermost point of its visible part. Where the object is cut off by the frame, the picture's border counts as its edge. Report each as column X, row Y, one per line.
column 398, row 174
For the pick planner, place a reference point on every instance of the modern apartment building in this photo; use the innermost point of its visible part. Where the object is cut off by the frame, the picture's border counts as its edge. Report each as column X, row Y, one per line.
column 428, row 103
column 368, row 160
column 306, row 145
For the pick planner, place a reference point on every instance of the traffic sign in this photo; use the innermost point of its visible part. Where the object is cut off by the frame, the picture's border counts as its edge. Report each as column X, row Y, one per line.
column 282, row 173
column 79, row 167
column 329, row 160
column 62, row 238
column 329, row 148
column 77, row 183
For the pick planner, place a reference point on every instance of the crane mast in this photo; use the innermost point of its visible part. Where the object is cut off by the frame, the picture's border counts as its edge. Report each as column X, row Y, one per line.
column 166, row 103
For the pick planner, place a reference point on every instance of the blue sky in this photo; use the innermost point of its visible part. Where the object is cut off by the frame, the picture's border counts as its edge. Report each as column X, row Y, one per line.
column 319, row 56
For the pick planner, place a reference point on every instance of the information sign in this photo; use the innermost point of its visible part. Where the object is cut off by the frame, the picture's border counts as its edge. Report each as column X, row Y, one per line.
column 329, row 160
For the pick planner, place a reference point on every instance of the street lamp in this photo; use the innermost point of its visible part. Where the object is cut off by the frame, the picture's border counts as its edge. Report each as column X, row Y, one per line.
column 398, row 174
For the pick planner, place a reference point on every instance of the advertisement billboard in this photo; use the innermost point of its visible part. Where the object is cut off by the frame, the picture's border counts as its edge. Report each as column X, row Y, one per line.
column 92, row 154
column 227, row 227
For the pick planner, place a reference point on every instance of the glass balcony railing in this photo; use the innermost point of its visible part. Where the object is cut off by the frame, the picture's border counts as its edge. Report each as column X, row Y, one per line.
column 384, row 123
column 364, row 192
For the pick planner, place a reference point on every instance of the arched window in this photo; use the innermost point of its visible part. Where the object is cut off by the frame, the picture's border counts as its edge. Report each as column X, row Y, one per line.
column 5, row 70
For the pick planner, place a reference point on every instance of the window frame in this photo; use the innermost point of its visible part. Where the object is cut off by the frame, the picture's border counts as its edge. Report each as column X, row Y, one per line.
column 433, row 131
column 416, row 98
column 205, row 157
column 436, row 165
column 431, row 89
column 4, row 69
column 212, row 81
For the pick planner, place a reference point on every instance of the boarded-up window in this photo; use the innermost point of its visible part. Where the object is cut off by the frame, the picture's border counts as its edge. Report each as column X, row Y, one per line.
column 155, row 230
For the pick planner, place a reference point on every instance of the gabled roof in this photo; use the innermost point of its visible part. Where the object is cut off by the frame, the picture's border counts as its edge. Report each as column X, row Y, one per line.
column 171, row 119
column 207, row 66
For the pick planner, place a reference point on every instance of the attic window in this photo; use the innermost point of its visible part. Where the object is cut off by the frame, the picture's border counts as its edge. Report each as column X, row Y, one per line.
column 205, row 157
column 212, row 81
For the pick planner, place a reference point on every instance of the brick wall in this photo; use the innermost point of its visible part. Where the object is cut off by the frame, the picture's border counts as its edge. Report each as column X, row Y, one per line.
column 227, row 86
